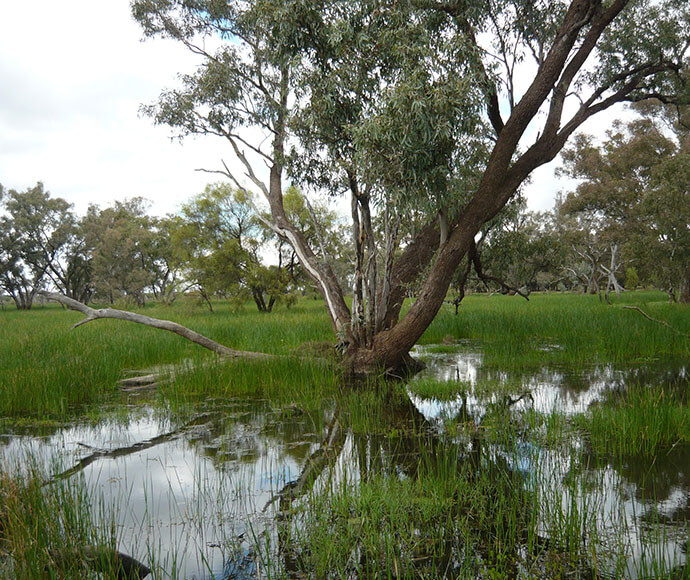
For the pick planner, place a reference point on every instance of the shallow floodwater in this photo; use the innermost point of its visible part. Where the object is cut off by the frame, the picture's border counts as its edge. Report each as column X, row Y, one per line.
column 193, row 498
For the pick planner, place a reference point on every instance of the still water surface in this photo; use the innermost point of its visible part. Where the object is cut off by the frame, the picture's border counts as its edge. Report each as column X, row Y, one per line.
column 191, row 497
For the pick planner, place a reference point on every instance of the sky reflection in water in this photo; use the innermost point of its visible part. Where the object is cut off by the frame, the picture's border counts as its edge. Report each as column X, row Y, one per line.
column 194, row 500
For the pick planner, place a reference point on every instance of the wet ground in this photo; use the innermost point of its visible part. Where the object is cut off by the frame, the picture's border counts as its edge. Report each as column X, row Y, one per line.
column 193, row 496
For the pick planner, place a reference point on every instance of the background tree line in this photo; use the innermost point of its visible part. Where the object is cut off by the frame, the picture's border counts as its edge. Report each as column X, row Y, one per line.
column 626, row 224
column 216, row 246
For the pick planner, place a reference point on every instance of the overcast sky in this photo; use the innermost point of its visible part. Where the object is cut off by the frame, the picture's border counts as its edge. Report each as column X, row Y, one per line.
column 73, row 75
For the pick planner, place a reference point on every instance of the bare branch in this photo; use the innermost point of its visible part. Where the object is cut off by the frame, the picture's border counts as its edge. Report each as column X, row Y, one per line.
column 648, row 317
column 249, row 169
column 183, row 331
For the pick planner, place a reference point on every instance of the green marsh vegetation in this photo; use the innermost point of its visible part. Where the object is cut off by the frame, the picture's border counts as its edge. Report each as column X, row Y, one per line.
column 48, row 531
column 494, row 489
column 573, row 329
column 49, row 370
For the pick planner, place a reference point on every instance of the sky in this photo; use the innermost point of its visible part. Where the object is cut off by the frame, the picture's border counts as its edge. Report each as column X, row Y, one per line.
column 73, row 75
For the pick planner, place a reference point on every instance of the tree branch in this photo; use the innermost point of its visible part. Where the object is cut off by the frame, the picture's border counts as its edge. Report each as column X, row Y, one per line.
column 648, row 317
column 183, row 331
column 473, row 256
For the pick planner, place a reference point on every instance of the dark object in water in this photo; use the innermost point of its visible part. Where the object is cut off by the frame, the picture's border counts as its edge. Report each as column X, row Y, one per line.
column 107, row 560
column 103, row 560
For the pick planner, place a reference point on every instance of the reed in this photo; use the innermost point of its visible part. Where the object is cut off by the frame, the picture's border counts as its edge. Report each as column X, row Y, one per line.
column 47, row 531
column 641, row 422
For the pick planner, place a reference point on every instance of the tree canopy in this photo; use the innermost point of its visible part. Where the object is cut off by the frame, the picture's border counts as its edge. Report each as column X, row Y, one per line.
column 634, row 194
column 417, row 107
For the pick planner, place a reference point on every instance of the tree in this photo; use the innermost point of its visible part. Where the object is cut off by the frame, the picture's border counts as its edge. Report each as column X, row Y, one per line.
column 322, row 229
column 525, row 250
column 222, row 237
column 165, row 259
column 634, row 200
column 120, row 241
column 37, row 242
column 413, row 108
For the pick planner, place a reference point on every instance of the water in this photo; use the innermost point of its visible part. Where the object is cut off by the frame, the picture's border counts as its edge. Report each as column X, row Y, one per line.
column 193, row 497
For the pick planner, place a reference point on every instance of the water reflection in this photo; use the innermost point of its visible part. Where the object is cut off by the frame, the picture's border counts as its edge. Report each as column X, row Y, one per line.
column 185, row 494
column 552, row 389
column 193, row 497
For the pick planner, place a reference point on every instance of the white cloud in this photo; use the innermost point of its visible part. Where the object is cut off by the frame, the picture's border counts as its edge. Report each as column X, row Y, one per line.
column 74, row 74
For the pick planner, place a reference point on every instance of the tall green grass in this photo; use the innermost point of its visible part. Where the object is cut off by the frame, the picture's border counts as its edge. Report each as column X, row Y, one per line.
column 572, row 329
column 47, row 531
column 48, row 370
column 287, row 380
column 641, row 422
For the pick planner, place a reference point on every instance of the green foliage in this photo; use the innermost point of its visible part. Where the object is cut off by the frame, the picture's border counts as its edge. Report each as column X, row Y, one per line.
column 122, row 245
column 632, row 279
column 634, row 193
column 220, row 240
column 37, row 242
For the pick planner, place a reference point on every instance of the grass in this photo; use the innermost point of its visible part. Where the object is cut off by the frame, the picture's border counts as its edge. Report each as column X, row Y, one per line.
column 283, row 380
column 430, row 524
column 642, row 422
column 428, row 388
column 48, row 531
column 510, row 495
column 566, row 329
column 50, row 371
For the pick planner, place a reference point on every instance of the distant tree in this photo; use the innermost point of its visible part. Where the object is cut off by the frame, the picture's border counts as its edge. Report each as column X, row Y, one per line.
column 37, row 243
column 517, row 252
column 526, row 251
column 323, row 230
column 633, row 202
column 120, row 241
column 164, row 259
column 222, row 237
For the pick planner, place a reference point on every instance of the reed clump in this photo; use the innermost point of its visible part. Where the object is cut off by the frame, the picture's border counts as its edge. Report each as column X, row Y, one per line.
column 46, row 531
column 642, row 421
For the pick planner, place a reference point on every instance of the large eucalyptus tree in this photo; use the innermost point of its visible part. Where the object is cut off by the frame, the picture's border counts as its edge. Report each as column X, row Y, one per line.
column 428, row 114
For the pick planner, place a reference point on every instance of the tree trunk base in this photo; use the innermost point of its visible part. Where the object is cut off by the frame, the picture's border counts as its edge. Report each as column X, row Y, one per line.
column 363, row 363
